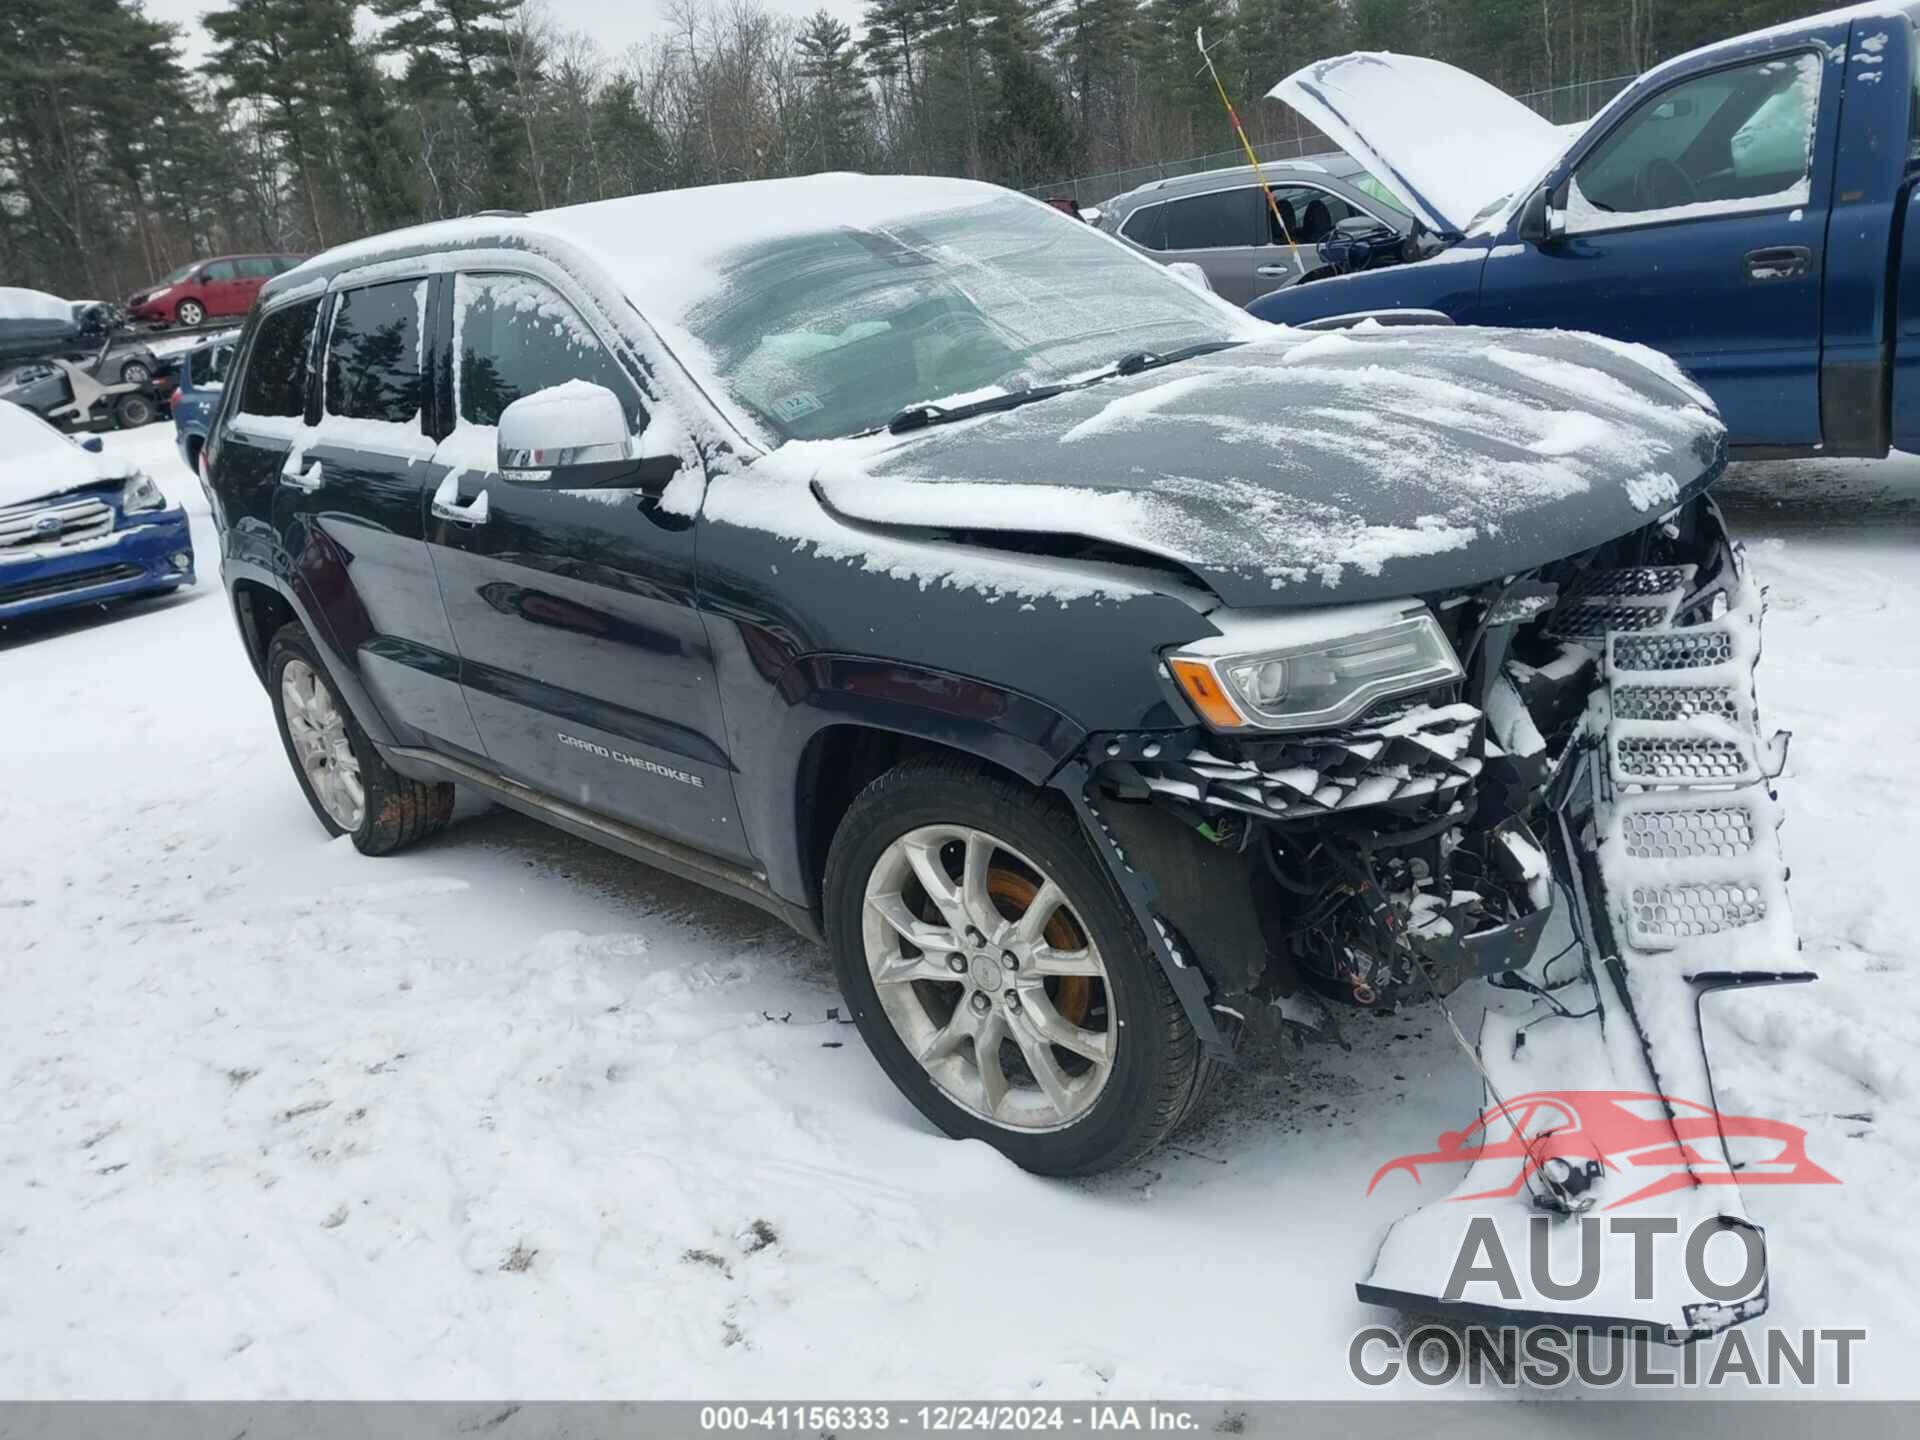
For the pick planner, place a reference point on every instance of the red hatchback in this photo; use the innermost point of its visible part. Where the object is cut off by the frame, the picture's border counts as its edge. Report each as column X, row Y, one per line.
column 224, row 285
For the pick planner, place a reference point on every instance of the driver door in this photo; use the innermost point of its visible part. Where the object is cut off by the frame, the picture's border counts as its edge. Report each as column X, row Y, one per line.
column 583, row 656
column 1697, row 225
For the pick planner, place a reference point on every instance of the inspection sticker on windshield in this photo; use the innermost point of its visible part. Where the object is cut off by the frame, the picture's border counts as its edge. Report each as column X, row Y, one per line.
column 793, row 406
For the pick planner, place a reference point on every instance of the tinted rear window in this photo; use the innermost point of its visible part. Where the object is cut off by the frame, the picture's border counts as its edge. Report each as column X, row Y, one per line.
column 373, row 358
column 276, row 378
column 1213, row 222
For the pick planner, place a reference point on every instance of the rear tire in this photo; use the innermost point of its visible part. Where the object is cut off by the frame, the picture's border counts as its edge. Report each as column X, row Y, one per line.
column 191, row 312
column 130, row 412
column 352, row 790
column 1126, row 1026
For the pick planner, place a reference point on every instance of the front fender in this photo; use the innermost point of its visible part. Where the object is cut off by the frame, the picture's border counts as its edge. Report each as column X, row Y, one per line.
column 1448, row 282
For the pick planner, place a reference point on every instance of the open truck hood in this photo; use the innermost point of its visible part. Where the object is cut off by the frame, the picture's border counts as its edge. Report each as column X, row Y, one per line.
column 1446, row 142
column 1314, row 469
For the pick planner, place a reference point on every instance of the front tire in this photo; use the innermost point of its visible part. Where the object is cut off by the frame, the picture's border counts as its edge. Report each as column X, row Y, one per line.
column 351, row 788
column 135, row 372
column 996, row 975
column 191, row 312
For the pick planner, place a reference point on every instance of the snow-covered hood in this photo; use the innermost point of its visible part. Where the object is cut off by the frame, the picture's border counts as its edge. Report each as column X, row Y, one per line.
column 1309, row 469
column 1446, row 142
column 37, row 461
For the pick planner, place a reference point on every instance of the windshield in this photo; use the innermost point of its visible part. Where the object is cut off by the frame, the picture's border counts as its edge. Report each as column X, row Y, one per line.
column 182, row 273
column 1369, row 185
column 832, row 332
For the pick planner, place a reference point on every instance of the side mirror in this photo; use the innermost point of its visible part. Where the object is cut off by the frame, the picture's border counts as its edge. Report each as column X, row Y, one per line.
column 1543, row 219
column 574, row 436
column 93, row 444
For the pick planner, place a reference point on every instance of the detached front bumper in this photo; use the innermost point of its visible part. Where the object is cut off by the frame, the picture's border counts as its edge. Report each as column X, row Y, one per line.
column 147, row 553
column 1626, row 785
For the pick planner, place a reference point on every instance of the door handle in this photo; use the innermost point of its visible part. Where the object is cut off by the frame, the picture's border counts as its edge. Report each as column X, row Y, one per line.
column 1273, row 271
column 447, row 506
column 309, row 482
column 1779, row 262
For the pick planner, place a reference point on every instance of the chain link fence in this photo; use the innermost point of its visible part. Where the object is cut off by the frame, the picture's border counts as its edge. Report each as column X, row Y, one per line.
column 1563, row 105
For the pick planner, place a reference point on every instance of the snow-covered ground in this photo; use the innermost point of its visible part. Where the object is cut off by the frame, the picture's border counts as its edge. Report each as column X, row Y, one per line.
column 509, row 1115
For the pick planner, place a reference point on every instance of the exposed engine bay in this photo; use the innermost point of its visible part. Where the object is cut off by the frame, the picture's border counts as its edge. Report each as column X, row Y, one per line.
column 1599, row 756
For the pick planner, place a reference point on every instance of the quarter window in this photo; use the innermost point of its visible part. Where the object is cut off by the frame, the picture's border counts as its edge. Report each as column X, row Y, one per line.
column 373, row 359
column 1218, row 221
column 275, row 382
column 1147, row 227
column 1740, row 138
column 514, row 336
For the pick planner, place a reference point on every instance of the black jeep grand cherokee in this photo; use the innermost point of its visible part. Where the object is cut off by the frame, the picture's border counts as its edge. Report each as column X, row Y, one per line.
column 1099, row 672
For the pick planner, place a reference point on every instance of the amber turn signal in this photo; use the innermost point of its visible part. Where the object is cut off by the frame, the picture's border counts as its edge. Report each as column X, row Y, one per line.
column 1198, row 683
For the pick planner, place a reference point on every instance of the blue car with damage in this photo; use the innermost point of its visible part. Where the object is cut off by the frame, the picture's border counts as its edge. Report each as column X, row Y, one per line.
column 78, row 526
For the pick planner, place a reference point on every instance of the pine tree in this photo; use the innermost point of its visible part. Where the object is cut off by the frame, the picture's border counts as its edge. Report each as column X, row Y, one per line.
column 458, row 48
column 837, row 100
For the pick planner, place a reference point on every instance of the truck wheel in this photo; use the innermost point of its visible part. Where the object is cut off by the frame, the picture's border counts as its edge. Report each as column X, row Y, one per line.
column 351, row 789
column 135, row 372
column 191, row 312
column 996, row 975
column 133, row 411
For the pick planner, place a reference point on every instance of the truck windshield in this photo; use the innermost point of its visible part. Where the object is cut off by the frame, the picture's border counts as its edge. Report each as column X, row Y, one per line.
column 835, row 331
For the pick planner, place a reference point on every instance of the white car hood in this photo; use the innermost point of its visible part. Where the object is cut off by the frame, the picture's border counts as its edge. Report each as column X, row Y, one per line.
column 1446, row 142
column 40, row 461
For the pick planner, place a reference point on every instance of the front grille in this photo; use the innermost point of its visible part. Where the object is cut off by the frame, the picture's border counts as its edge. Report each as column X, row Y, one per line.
column 64, row 524
column 1674, row 912
column 72, row 580
column 1674, row 702
column 1687, row 760
column 1676, row 650
column 1644, row 581
column 1722, row 832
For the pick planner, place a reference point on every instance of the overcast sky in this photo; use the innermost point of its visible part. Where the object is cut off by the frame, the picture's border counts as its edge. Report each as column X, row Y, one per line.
column 614, row 26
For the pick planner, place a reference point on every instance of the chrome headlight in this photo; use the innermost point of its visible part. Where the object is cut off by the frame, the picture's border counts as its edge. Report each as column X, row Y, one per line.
column 1319, row 684
column 140, row 493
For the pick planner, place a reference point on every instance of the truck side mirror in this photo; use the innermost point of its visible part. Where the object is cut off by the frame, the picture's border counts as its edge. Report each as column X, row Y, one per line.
column 1543, row 219
column 575, row 437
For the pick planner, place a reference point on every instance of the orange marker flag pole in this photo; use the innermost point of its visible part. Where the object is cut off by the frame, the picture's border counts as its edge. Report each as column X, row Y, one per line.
column 1199, row 39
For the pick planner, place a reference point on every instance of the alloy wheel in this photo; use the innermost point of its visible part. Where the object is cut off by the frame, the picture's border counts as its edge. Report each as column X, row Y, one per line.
column 321, row 744
column 989, row 977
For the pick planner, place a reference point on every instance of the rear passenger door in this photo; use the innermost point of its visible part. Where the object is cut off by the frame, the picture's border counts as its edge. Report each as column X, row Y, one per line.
column 1224, row 232
column 352, row 512
column 220, row 289
column 258, row 432
column 585, row 660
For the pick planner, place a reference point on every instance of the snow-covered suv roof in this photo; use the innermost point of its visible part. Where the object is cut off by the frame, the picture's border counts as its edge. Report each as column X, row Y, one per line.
column 661, row 247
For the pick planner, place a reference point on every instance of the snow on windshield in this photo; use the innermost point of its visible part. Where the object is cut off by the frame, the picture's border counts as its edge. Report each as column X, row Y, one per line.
column 840, row 328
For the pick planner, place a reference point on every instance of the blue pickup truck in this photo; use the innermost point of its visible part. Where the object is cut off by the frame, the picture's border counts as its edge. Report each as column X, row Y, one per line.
column 1741, row 208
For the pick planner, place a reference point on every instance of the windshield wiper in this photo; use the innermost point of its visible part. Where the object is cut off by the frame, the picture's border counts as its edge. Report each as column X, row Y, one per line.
column 918, row 417
column 1138, row 360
